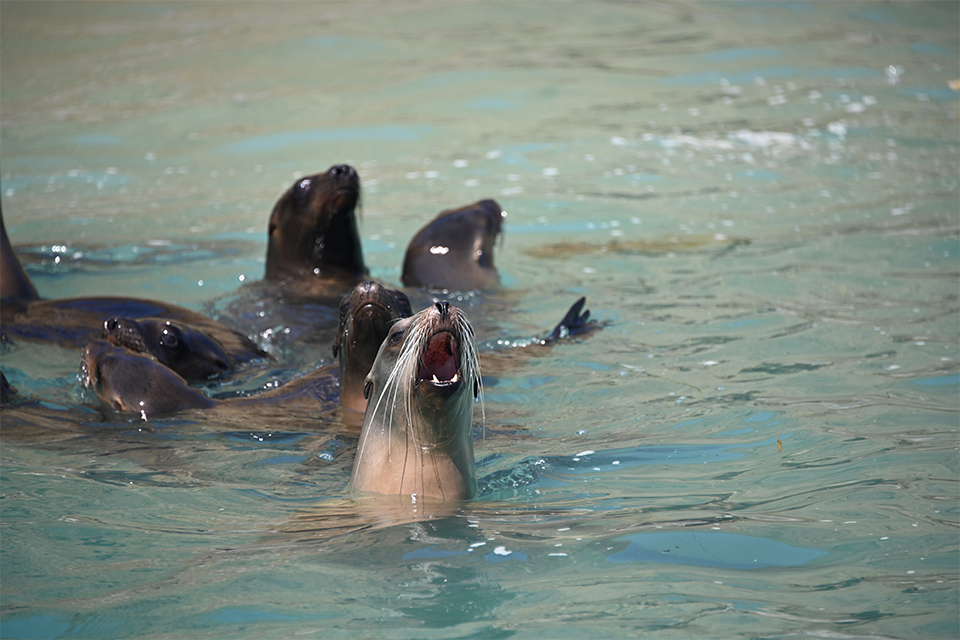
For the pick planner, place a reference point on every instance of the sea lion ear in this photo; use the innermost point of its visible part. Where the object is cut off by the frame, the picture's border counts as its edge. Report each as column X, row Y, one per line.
column 336, row 347
column 476, row 388
column 367, row 388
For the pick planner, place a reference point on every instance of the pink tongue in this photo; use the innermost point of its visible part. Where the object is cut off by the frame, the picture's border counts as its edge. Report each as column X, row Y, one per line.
column 439, row 360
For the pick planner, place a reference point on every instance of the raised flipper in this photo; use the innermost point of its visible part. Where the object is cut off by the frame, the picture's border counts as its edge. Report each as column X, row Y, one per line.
column 573, row 323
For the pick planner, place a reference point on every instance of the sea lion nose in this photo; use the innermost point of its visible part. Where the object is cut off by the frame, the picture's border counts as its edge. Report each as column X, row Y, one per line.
column 443, row 307
column 342, row 170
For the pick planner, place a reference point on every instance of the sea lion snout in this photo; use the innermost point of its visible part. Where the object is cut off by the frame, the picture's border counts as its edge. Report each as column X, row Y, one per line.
column 343, row 172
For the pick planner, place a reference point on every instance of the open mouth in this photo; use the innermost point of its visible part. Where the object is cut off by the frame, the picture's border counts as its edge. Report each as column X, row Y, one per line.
column 439, row 364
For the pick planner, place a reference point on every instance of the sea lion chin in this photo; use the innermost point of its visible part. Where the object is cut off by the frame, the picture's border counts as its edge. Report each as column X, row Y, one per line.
column 454, row 252
column 417, row 438
column 312, row 234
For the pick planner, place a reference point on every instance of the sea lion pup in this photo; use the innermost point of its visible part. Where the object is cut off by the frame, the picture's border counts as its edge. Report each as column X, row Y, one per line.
column 130, row 382
column 366, row 315
column 454, row 252
column 313, row 246
column 417, row 435
column 184, row 348
column 136, row 383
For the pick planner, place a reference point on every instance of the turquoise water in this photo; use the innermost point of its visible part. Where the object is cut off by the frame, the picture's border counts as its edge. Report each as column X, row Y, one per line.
column 759, row 199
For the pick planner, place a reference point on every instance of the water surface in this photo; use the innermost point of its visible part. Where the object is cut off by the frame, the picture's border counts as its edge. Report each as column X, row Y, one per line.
column 759, row 199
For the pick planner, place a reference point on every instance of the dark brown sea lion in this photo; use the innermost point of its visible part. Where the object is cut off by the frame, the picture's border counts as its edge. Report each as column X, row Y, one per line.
column 189, row 351
column 131, row 381
column 72, row 322
column 136, row 383
column 14, row 283
column 417, row 439
column 366, row 315
column 6, row 391
column 313, row 245
column 454, row 252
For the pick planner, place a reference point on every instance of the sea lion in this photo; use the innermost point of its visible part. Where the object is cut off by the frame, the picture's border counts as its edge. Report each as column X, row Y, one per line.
column 312, row 241
column 126, row 382
column 454, row 252
column 72, row 322
column 130, row 382
column 366, row 315
column 14, row 283
column 417, row 438
column 136, row 383
column 6, row 391
column 186, row 349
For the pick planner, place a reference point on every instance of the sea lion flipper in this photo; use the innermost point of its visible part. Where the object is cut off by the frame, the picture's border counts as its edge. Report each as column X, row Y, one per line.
column 573, row 323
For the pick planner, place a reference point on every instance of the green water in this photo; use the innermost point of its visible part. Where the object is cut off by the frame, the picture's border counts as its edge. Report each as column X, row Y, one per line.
column 759, row 199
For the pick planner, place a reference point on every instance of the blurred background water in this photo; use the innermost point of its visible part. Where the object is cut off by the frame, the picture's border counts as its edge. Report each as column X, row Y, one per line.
column 759, row 198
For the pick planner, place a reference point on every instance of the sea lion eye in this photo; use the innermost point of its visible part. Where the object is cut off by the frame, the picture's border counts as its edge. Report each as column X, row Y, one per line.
column 169, row 340
column 396, row 338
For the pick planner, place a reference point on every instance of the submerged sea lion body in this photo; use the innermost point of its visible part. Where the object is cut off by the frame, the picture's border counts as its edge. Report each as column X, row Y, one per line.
column 417, row 435
column 132, row 380
column 72, row 322
column 454, row 252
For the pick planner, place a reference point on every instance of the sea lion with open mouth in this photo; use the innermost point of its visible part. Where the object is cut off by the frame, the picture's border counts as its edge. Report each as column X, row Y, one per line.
column 454, row 251
column 417, row 436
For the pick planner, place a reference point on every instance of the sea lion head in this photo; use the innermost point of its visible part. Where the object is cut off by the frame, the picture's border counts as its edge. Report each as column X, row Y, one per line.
column 135, row 383
column 366, row 315
column 186, row 350
column 313, row 229
column 454, row 252
column 417, row 435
